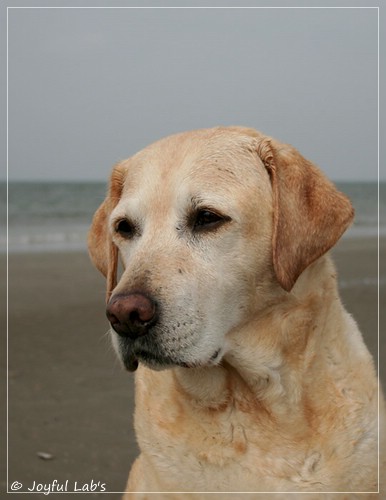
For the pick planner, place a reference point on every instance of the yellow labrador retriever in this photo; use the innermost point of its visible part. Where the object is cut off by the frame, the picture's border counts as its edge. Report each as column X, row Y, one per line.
column 251, row 376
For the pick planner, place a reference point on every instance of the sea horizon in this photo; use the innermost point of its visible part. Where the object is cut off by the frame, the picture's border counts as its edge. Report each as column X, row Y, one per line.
column 56, row 215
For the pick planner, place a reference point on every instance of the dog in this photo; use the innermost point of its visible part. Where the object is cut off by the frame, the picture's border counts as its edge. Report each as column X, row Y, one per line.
column 250, row 374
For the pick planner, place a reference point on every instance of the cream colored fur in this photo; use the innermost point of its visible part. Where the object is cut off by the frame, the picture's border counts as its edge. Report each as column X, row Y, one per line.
column 269, row 386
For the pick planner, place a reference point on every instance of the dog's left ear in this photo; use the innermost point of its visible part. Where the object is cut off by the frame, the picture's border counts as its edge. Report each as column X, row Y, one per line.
column 310, row 214
column 103, row 252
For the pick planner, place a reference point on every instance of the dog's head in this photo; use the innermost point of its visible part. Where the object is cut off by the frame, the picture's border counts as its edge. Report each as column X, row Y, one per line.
column 208, row 225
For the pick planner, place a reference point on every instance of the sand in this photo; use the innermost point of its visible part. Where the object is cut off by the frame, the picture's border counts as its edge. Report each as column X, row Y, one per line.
column 70, row 403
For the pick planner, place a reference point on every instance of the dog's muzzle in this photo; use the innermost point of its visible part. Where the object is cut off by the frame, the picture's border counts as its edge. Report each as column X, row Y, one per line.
column 131, row 316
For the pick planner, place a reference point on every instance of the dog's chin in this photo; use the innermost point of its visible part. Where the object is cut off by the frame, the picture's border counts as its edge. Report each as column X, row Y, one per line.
column 158, row 362
column 131, row 357
column 154, row 361
column 131, row 353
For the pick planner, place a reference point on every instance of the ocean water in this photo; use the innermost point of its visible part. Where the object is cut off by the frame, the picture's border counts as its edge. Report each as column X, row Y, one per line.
column 56, row 216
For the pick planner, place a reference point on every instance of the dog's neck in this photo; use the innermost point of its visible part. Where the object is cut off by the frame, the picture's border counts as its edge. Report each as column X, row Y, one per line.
column 271, row 358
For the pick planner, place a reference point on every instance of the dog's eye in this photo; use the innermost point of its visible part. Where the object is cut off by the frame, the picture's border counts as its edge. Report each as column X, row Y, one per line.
column 205, row 219
column 125, row 228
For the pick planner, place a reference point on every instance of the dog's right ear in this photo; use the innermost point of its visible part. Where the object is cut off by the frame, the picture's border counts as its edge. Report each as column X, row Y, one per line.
column 103, row 252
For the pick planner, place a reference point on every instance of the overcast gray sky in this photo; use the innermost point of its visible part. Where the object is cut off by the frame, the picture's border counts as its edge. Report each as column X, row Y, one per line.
column 88, row 87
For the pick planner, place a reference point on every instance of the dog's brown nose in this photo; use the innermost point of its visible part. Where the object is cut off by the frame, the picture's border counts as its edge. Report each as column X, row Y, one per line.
column 131, row 315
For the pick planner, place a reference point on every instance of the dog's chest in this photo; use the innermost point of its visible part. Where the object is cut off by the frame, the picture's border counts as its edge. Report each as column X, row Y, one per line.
column 205, row 452
column 239, row 445
column 212, row 436
column 222, row 448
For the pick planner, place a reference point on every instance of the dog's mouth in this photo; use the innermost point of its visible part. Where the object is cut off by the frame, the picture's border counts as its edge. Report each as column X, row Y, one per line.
column 131, row 363
column 132, row 354
column 155, row 362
